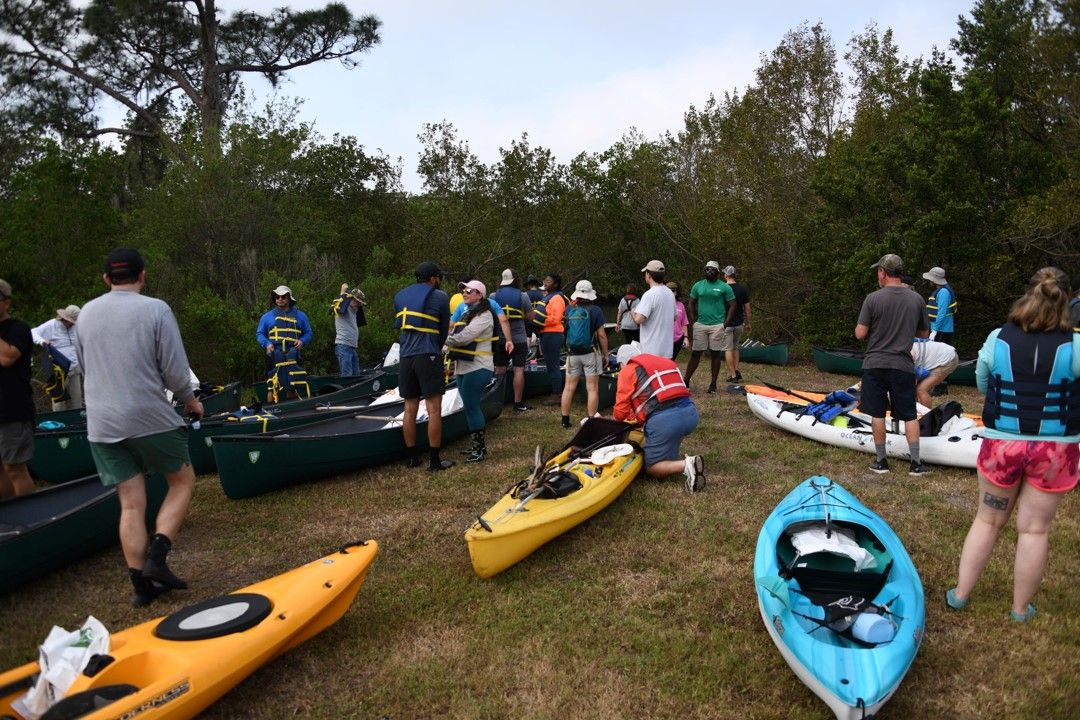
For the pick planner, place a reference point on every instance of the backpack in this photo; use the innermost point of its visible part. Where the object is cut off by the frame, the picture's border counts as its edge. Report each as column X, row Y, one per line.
column 578, row 328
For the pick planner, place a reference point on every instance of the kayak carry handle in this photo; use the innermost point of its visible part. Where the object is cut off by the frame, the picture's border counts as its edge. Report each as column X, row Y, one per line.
column 483, row 523
column 344, row 549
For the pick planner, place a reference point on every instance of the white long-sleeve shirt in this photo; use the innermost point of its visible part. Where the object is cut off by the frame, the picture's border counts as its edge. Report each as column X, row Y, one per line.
column 58, row 335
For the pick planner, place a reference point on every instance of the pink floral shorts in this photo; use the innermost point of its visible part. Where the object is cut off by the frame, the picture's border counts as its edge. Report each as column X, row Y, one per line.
column 1047, row 465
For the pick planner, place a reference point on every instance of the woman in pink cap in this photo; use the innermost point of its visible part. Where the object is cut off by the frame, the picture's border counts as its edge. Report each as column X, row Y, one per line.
column 470, row 346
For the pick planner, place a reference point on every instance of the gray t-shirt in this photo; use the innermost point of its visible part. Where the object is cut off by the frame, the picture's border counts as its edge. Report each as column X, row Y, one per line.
column 894, row 315
column 345, row 330
column 130, row 351
column 658, row 307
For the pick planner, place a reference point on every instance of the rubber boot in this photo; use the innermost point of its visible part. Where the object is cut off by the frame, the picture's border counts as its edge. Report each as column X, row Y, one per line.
column 145, row 590
column 155, row 567
column 474, row 447
column 479, row 451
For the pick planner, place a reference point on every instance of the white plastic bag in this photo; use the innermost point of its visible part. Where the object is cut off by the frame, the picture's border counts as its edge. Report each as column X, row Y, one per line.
column 393, row 356
column 61, row 658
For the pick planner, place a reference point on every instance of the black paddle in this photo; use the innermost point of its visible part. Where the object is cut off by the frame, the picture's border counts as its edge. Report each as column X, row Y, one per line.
column 803, row 397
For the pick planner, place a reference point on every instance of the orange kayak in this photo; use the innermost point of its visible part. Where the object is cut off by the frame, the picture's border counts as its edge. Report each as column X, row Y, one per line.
column 176, row 666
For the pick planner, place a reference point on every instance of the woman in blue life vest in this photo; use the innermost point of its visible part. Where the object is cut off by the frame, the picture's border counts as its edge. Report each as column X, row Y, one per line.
column 470, row 347
column 1029, row 371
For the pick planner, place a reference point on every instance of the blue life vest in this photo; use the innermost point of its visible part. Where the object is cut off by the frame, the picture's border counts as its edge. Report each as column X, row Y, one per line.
column 409, row 304
column 540, row 309
column 509, row 299
column 933, row 312
column 287, row 376
column 285, row 332
column 1032, row 390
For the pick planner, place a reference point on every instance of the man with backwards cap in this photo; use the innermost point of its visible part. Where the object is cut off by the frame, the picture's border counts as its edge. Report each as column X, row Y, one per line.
column 16, row 401
column 890, row 317
column 129, row 348
column 59, row 334
column 423, row 317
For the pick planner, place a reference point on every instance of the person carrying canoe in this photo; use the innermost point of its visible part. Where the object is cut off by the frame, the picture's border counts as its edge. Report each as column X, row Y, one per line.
column 934, row 361
column 59, row 335
column 650, row 391
column 736, row 325
column 129, row 347
column 16, row 401
column 1029, row 370
column 889, row 318
column 940, row 306
column 584, row 324
column 423, row 317
column 548, row 323
column 517, row 308
column 283, row 332
column 470, row 346
column 348, row 312
column 712, row 302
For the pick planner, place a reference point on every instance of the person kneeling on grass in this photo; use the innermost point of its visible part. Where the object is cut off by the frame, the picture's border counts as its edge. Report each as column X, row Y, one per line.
column 651, row 391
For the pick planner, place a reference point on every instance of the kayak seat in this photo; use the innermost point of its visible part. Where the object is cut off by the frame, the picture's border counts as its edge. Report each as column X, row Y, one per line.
column 931, row 423
column 824, row 577
column 597, row 429
column 223, row 615
column 88, row 701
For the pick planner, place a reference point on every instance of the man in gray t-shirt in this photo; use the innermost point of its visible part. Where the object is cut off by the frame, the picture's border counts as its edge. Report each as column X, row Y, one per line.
column 889, row 320
column 655, row 314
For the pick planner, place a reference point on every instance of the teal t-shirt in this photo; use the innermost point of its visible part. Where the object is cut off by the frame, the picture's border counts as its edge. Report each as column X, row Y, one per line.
column 712, row 301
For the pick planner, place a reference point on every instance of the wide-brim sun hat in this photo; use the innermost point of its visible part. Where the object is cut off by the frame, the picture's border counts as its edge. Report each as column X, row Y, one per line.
column 70, row 313
column 283, row 290
column 935, row 275
column 584, row 290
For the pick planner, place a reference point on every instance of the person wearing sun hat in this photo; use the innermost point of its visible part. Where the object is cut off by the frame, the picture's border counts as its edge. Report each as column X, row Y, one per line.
column 59, row 334
column 940, row 306
column 16, row 401
column 585, row 333
column 283, row 332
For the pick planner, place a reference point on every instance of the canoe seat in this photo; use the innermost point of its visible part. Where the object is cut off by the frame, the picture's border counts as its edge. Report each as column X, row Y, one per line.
column 87, row 701
column 223, row 615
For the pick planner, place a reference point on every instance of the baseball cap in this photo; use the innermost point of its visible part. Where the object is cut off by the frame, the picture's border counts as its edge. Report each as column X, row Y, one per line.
column 5, row 290
column 474, row 285
column 507, row 277
column 124, row 264
column 427, row 270
column 890, row 263
column 713, row 264
column 729, row 271
column 654, row 266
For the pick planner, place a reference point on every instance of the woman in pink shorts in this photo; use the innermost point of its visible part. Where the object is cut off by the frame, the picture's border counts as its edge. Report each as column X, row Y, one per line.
column 1029, row 370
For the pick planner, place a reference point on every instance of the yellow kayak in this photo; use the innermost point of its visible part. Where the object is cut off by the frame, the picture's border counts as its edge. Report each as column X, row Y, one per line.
column 580, row 481
column 176, row 666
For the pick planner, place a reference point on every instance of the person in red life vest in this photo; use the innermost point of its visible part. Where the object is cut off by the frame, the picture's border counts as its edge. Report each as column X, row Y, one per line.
column 651, row 391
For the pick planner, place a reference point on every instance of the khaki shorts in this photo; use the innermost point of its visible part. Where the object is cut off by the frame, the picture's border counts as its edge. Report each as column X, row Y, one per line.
column 16, row 442
column 945, row 370
column 732, row 337
column 586, row 365
column 707, row 337
column 164, row 453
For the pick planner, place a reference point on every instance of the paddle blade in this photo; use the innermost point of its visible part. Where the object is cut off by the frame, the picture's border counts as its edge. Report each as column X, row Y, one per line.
column 777, row 587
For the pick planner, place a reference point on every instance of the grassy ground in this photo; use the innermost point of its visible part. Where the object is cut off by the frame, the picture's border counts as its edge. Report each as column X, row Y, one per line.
column 647, row 610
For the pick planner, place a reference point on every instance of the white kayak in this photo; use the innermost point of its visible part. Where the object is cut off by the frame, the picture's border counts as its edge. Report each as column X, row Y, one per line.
column 957, row 444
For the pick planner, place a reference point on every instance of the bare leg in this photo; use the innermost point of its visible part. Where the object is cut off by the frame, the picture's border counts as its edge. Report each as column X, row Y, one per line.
column 911, row 430
column 922, row 391
column 732, row 357
column 519, row 385
column 995, row 507
column 15, row 480
column 569, row 388
column 877, row 429
column 408, row 423
column 691, row 366
column 434, row 423
column 664, row 468
column 592, row 386
column 177, row 501
column 1034, row 513
column 134, row 539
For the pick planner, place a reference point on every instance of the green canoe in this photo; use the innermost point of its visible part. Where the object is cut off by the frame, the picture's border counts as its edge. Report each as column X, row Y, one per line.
column 64, row 455
column 256, row 464
column 323, row 384
column 771, row 354
column 538, row 384
column 56, row 526
column 226, row 399
column 844, row 361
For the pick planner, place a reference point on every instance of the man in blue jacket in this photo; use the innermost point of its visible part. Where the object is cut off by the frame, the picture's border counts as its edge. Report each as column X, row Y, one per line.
column 283, row 331
column 423, row 317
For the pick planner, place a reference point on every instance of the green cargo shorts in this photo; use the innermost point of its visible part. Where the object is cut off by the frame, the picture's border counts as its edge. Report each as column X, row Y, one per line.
column 164, row 453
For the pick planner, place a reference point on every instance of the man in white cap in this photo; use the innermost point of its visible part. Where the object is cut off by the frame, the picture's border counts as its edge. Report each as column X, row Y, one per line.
column 940, row 306
column 283, row 331
column 585, row 333
column 655, row 314
column 712, row 304
column 61, row 334
column 517, row 311
column 738, row 323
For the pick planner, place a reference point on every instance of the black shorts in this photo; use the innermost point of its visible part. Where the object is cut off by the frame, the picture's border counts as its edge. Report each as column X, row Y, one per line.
column 518, row 354
column 888, row 389
column 421, row 376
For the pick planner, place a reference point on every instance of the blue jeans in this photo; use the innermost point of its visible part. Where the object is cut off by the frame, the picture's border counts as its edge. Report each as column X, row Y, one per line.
column 348, row 360
column 471, row 388
column 551, row 346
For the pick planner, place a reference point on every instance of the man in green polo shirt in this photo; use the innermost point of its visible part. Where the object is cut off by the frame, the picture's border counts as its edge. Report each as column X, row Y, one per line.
column 712, row 304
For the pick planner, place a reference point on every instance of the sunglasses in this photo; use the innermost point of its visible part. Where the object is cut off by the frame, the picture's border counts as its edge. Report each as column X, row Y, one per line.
column 280, row 297
column 469, row 291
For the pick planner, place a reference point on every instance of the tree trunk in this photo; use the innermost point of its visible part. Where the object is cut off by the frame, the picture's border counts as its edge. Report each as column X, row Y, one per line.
column 211, row 108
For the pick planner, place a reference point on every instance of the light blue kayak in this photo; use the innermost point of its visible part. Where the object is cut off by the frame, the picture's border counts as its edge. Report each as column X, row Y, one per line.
column 839, row 596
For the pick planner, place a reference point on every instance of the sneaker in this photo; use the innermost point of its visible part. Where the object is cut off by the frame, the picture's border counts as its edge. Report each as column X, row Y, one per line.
column 441, row 465
column 694, row 469
column 522, row 407
column 917, row 468
column 733, row 379
column 413, row 462
column 712, row 388
column 738, row 376
column 880, row 467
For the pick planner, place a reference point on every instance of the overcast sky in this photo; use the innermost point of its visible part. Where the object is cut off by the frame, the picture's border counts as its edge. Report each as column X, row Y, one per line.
column 575, row 75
